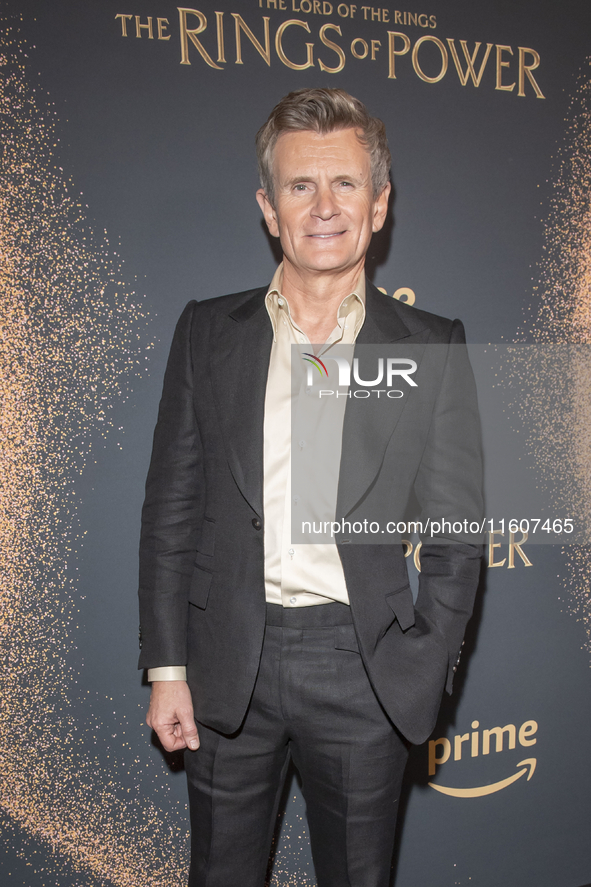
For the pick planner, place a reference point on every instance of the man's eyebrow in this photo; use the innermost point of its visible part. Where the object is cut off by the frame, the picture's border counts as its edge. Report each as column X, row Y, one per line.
column 294, row 180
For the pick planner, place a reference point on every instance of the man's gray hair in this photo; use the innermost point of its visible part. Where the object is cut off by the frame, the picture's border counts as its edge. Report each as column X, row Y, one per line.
column 323, row 111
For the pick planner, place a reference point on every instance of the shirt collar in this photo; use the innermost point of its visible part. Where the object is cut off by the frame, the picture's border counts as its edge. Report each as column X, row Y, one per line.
column 352, row 307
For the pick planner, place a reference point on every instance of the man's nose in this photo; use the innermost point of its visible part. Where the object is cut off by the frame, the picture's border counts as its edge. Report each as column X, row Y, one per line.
column 325, row 204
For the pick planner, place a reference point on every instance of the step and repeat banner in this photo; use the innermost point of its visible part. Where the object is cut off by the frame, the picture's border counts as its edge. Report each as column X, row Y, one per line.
column 127, row 188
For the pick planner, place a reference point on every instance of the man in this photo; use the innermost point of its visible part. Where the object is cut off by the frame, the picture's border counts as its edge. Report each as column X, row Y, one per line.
column 307, row 652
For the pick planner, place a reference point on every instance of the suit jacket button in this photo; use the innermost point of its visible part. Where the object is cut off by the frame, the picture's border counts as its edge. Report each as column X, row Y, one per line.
column 455, row 668
column 256, row 523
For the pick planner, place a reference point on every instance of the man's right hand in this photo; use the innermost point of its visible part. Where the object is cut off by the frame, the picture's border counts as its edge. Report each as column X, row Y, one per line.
column 171, row 715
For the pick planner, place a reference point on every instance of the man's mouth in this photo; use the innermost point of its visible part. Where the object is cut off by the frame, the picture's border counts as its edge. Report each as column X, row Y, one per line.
column 327, row 236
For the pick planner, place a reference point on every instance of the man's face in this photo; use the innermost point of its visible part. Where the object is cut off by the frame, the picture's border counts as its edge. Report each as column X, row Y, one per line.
column 325, row 211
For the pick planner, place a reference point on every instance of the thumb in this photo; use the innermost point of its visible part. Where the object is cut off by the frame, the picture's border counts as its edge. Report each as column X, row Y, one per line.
column 190, row 734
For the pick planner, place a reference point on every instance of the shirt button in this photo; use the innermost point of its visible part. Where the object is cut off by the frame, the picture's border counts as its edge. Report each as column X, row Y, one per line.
column 280, row 301
column 302, row 444
column 256, row 523
column 291, row 552
column 293, row 600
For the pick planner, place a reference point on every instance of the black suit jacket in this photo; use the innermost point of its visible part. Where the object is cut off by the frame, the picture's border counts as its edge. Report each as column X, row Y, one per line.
column 202, row 596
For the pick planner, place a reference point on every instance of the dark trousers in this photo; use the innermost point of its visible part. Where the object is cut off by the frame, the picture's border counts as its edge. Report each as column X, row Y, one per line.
column 312, row 703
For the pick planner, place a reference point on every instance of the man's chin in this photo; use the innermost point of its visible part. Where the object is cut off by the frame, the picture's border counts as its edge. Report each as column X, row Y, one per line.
column 327, row 261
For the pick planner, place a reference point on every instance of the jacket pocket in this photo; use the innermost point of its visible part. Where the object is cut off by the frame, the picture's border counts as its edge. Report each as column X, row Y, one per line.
column 401, row 604
column 199, row 588
column 345, row 638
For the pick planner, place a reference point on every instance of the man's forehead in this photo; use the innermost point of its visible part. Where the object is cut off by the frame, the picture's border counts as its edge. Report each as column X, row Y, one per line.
column 343, row 135
column 304, row 147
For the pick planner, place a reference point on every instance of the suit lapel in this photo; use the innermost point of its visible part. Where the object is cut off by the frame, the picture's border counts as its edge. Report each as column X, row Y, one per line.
column 240, row 365
column 239, row 376
column 370, row 423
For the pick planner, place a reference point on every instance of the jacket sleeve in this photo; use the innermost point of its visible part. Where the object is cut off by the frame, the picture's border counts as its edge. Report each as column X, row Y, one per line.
column 172, row 512
column 449, row 489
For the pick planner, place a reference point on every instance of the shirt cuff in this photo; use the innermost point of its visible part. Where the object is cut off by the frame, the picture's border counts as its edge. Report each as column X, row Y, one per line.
column 168, row 673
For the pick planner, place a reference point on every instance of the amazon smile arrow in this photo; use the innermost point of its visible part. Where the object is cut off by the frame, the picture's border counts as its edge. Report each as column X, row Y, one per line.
column 481, row 790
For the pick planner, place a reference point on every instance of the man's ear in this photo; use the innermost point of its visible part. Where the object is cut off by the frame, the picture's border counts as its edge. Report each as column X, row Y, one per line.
column 268, row 212
column 380, row 208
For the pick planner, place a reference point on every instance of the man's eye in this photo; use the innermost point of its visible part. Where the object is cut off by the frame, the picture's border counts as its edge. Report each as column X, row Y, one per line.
column 300, row 187
column 346, row 184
